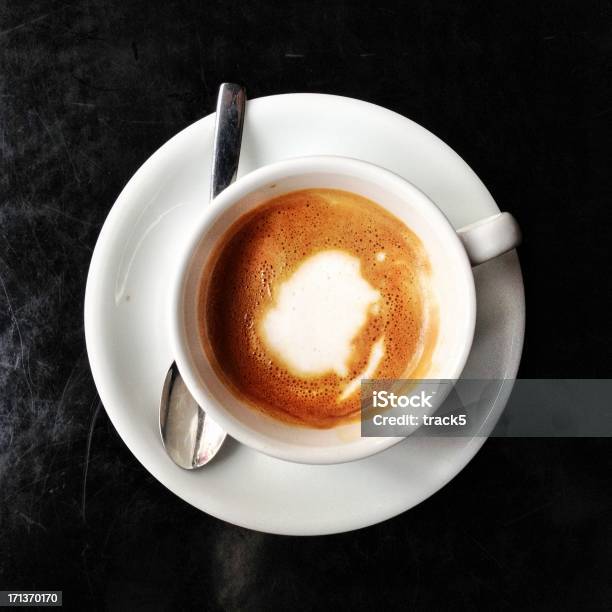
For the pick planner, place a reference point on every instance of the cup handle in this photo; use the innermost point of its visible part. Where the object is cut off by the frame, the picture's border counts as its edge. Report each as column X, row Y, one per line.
column 490, row 237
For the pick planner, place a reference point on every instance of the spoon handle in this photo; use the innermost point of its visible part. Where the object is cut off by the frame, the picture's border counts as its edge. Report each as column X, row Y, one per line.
column 231, row 104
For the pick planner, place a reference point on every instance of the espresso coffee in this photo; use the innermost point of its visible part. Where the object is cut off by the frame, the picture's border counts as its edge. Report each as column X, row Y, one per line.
column 310, row 293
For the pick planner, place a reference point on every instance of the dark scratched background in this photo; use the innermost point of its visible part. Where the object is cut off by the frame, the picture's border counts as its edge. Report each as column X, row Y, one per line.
column 89, row 89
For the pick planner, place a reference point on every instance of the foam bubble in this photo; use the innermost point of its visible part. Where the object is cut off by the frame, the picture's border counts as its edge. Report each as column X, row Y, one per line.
column 318, row 312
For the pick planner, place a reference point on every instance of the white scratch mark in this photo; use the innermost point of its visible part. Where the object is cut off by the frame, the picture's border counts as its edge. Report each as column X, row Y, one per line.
column 62, row 143
column 24, row 24
column 16, row 323
column 87, row 457
column 30, row 521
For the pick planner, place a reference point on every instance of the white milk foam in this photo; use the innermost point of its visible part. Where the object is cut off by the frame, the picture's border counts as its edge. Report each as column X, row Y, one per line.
column 318, row 312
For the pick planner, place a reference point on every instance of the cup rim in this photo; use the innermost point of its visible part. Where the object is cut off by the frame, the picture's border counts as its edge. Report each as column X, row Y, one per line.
column 234, row 193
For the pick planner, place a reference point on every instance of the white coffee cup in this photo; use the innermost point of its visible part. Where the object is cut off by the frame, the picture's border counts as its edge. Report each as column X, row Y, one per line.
column 451, row 254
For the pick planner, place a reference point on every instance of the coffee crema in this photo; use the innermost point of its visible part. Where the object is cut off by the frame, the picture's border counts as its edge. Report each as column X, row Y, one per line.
column 308, row 294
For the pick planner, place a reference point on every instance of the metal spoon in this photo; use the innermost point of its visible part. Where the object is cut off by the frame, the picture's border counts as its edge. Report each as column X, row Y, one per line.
column 190, row 437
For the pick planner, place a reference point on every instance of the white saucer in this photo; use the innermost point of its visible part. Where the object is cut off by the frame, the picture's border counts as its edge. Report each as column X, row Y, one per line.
column 125, row 316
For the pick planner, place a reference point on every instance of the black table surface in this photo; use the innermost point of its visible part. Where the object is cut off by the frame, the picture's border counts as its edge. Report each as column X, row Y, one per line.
column 90, row 89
